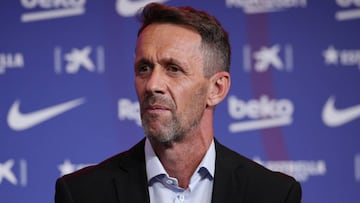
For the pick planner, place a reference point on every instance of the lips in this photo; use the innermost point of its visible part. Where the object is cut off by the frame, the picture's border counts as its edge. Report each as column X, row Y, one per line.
column 156, row 108
column 156, row 105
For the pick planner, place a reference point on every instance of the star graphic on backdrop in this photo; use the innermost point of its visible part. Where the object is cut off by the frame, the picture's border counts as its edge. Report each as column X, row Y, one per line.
column 331, row 55
column 66, row 167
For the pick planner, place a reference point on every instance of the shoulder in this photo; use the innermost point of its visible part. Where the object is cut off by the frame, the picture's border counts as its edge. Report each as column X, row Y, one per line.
column 110, row 167
column 235, row 160
column 254, row 177
column 98, row 183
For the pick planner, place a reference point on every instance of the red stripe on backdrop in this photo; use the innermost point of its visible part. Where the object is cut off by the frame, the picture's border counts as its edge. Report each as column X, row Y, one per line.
column 262, row 84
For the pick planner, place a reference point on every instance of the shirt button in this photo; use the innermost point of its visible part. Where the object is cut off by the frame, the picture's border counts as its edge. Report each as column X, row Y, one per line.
column 181, row 198
column 169, row 182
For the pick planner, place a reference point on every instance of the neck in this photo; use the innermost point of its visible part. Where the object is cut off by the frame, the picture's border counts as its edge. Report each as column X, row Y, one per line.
column 180, row 159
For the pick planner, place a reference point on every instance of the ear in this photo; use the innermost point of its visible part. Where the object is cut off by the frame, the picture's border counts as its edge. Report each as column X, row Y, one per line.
column 219, row 88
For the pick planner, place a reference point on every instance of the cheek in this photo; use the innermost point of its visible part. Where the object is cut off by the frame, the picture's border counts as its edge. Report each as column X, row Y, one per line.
column 139, row 87
column 186, row 97
column 181, row 89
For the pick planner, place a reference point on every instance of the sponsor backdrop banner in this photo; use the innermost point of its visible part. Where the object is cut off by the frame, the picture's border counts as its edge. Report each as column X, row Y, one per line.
column 67, row 97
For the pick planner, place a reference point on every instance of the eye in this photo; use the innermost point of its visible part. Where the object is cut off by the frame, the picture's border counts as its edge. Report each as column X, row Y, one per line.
column 143, row 68
column 173, row 68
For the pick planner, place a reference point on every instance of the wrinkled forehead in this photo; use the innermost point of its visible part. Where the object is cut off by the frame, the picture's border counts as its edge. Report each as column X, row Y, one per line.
column 167, row 35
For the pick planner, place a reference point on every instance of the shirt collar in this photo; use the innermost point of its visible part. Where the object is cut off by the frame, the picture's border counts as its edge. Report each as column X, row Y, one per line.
column 154, row 167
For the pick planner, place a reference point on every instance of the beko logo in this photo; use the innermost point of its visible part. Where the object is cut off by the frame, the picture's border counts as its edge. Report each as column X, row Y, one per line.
column 50, row 9
column 344, row 57
column 14, row 172
column 350, row 10
column 11, row 61
column 259, row 113
column 278, row 57
column 128, row 110
column 265, row 6
column 129, row 8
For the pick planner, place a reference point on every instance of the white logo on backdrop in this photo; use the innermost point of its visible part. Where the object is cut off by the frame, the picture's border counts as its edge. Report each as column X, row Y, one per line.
column 267, row 57
column 22, row 121
column 259, row 113
column 68, row 167
column 265, row 6
column 129, row 8
column 350, row 10
column 301, row 170
column 334, row 117
column 345, row 57
column 357, row 167
column 78, row 59
column 11, row 61
column 7, row 172
column 50, row 9
column 128, row 110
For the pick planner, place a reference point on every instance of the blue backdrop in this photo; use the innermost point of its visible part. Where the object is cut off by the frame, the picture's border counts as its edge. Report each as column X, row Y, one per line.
column 67, row 97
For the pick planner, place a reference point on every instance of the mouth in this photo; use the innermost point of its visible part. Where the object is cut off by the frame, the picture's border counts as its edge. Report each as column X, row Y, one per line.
column 156, row 108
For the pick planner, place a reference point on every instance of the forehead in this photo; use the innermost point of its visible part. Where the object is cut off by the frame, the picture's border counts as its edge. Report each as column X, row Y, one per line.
column 168, row 37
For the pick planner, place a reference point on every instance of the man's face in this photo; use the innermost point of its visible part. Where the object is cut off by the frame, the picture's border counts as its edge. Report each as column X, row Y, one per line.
column 169, row 81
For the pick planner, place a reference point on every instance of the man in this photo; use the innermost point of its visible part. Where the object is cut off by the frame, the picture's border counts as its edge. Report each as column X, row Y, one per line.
column 181, row 74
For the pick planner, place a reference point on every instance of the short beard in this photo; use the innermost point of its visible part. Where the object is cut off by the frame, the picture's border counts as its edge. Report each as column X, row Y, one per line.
column 167, row 134
column 171, row 131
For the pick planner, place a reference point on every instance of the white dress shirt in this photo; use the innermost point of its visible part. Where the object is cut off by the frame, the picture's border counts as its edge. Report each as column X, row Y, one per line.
column 165, row 189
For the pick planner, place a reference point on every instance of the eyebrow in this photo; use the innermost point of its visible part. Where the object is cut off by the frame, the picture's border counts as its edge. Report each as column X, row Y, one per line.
column 172, row 61
column 142, row 61
column 169, row 60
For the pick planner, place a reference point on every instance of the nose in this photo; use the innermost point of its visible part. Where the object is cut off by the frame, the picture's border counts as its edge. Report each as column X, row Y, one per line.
column 155, row 83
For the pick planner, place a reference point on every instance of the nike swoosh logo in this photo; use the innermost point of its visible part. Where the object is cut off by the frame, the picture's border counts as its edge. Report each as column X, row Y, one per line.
column 128, row 8
column 19, row 121
column 336, row 117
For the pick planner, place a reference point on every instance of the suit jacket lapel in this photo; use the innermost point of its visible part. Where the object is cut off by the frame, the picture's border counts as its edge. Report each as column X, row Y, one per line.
column 230, row 180
column 131, row 183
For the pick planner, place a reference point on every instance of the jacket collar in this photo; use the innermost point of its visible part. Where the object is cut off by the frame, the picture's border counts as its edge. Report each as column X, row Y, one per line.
column 131, row 184
column 229, row 181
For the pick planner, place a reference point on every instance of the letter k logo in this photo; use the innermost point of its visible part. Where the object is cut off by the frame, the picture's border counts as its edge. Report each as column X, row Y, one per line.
column 6, row 172
column 266, row 57
column 77, row 58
